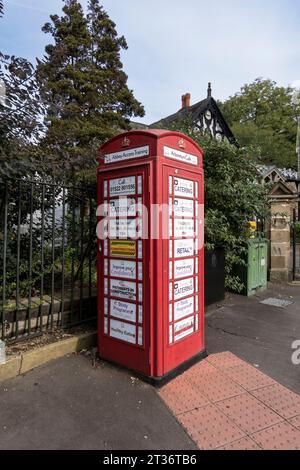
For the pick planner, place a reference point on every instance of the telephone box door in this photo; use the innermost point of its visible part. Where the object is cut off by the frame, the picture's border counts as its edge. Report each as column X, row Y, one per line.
column 124, row 267
column 183, row 253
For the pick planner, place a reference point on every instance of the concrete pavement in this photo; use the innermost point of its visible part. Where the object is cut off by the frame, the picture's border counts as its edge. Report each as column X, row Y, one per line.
column 68, row 404
column 259, row 334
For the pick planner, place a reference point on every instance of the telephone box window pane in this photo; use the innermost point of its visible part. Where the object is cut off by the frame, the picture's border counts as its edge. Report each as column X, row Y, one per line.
column 183, row 268
column 105, row 208
column 140, row 314
column 197, row 321
column 105, row 326
column 123, row 268
column 140, row 189
column 196, row 303
column 140, row 207
column 123, row 289
column 184, row 248
column 196, row 190
column 170, row 313
column 140, row 249
column 170, row 290
column 196, row 261
column 183, row 187
column 140, row 292
column 170, row 185
column 183, row 228
column 105, row 247
column 140, row 271
column 183, row 308
column 140, row 336
column 123, row 310
column 105, row 307
column 138, row 228
column 183, row 334
column 170, row 270
column 170, row 334
column 105, row 188
column 170, row 207
column 123, row 331
column 122, row 186
column 170, row 227
column 105, row 267
column 123, row 228
column 183, row 207
column 105, row 286
column 183, row 325
column 183, row 288
column 105, row 230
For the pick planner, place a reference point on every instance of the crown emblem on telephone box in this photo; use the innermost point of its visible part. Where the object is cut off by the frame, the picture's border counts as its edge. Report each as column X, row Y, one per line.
column 125, row 142
column 182, row 144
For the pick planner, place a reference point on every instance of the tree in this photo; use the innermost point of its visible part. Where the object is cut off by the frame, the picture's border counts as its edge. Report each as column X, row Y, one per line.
column 262, row 115
column 233, row 196
column 20, row 113
column 83, row 85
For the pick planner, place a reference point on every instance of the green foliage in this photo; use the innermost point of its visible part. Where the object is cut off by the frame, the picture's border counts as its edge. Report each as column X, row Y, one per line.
column 296, row 229
column 83, row 84
column 20, row 114
column 43, row 244
column 233, row 196
column 261, row 115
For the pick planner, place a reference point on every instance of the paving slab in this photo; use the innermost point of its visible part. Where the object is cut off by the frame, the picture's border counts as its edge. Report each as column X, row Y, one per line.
column 68, row 404
column 281, row 436
column 295, row 421
column 283, row 401
column 249, row 414
column 260, row 334
column 210, row 428
column 246, row 409
column 248, row 377
column 246, row 443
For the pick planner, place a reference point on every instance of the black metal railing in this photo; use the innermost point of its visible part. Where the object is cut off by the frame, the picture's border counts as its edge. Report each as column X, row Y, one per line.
column 47, row 257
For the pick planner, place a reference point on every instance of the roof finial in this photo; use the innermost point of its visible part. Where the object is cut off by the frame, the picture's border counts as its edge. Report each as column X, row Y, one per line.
column 209, row 90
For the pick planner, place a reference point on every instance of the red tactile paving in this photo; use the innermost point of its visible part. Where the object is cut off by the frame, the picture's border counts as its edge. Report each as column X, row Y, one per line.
column 202, row 368
column 224, row 360
column 248, row 413
column 209, row 428
column 215, row 386
column 248, row 377
column 280, row 399
column 224, row 403
column 295, row 421
column 282, row 436
column 174, row 392
column 246, row 443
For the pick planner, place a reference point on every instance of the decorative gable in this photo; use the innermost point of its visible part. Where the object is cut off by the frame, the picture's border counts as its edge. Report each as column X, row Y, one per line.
column 206, row 116
column 282, row 189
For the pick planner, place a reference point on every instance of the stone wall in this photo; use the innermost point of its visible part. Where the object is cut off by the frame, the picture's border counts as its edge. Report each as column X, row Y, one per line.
column 280, row 236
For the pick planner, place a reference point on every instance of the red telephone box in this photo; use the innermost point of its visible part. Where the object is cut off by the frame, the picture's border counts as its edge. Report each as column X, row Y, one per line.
column 151, row 252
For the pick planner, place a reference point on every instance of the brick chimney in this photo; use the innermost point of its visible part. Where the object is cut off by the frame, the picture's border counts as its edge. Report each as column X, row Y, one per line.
column 186, row 100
